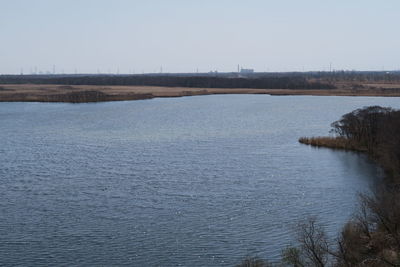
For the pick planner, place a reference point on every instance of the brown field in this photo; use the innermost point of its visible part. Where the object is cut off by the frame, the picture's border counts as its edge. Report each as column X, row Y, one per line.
column 95, row 93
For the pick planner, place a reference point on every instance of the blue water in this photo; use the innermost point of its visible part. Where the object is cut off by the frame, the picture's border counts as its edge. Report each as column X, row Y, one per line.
column 194, row 181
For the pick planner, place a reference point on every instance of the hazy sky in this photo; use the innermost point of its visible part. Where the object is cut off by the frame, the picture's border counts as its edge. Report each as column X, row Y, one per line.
column 183, row 35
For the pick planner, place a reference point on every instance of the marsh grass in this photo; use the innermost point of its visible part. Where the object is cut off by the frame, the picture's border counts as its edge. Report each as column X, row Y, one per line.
column 331, row 142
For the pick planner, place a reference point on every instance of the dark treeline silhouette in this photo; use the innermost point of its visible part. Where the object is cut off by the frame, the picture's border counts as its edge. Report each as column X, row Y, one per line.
column 356, row 76
column 338, row 75
column 291, row 82
column 375, row 130
column 258, row 80
column 215, row 79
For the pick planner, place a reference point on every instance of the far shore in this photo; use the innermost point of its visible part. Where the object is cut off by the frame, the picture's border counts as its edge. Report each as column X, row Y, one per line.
column 97, row 93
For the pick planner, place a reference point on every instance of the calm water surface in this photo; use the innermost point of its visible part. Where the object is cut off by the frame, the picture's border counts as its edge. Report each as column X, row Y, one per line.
column 196, row 181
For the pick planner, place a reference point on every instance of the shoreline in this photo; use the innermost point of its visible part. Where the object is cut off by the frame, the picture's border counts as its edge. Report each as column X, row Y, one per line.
column 372, row 234
column 339, row 143
column 99, row 93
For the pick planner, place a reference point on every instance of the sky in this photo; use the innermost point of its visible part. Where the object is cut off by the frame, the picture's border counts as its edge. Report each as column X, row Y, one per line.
column 132, row 36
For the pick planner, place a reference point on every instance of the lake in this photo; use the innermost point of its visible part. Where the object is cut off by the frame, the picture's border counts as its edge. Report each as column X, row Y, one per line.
column 193, row 181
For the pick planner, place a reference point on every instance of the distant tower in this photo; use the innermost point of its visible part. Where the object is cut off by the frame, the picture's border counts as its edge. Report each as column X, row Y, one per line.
column 238, row 69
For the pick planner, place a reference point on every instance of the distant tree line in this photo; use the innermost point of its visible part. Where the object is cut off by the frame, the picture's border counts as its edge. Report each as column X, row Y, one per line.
column 357, row 76
column 344, row 76
column 205, row 79
column 289, row 82
column 257, row 80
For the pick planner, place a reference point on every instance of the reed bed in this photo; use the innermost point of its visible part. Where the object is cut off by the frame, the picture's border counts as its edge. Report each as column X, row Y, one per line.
column 331, row 142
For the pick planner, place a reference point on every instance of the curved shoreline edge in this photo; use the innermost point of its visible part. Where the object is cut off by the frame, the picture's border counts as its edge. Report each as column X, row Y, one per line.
column 97, row 93
column 372, row 236
column 332, row 143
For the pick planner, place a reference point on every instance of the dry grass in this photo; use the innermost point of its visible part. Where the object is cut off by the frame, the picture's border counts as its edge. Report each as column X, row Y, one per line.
column 61, row 93
column 331, row 142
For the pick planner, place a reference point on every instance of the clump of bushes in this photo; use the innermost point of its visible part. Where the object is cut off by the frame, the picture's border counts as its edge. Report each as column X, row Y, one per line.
column 374, row 130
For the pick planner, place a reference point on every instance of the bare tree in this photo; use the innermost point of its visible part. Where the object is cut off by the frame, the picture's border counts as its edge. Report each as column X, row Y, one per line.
column 313, row 247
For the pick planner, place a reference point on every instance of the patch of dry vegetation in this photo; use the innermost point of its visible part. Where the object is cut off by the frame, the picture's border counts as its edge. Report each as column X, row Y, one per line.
column 331, row 142
column 46, row 92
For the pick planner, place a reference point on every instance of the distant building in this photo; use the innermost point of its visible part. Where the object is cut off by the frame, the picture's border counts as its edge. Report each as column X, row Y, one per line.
column 246, row 71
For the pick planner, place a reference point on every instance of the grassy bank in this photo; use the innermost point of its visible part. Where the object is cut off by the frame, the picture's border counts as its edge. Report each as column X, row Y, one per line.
column 95, row 88
column 373, row 130
column 332, row 142
column 99, row 93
